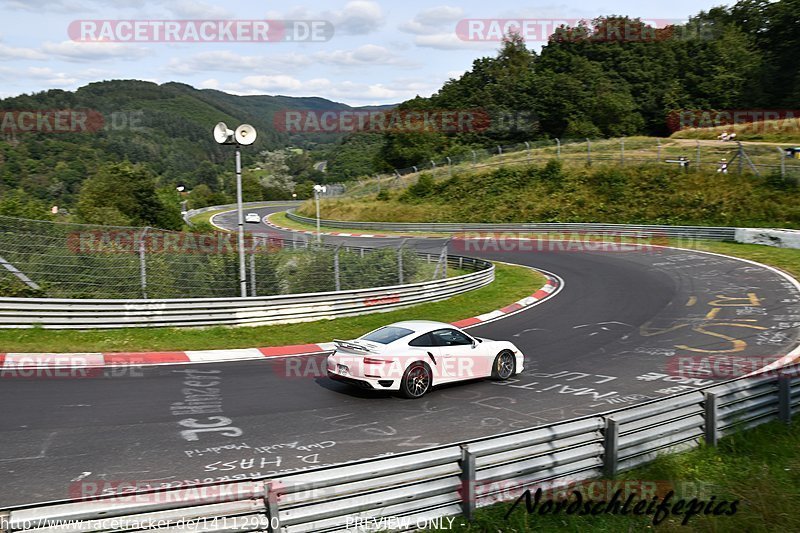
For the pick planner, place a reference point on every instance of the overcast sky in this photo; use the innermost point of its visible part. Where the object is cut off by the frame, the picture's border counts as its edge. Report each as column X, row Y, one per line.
column 380, row 51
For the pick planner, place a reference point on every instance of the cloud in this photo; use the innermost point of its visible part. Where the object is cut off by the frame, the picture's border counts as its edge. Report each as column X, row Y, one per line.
column 431, row 21
column 93, row 51
column 450, row 41
column 358, row 17
column 196, row 10
column 346, row 91
column 11, row 53
column 368, row 54
column 226, row 61
column 52, row 78
column 42, row 6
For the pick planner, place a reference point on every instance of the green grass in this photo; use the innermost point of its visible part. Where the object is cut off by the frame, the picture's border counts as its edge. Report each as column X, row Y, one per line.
column 641, row 194
column 787, row 259
column 205, row 218
column 511, row 283
column 759, row 467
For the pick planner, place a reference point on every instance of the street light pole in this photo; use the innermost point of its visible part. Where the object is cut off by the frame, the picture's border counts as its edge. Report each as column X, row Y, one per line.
column 318, row 189
column 240, row 213
column 243, row 136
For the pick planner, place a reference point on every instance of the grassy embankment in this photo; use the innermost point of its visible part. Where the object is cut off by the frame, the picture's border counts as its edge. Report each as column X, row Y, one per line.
column 512, row 283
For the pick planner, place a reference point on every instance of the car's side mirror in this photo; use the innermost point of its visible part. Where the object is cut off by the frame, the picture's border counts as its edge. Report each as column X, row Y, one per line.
column 474, row 344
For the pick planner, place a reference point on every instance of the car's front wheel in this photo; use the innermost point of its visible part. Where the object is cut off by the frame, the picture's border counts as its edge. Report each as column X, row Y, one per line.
column 505, row 364
column 416, row 381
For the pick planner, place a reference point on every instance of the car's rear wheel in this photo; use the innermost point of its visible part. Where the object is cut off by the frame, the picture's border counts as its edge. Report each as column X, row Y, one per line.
column 416, row 381
column 504, row 366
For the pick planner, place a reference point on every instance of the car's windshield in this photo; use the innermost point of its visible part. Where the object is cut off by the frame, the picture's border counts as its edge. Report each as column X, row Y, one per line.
column 387, row 334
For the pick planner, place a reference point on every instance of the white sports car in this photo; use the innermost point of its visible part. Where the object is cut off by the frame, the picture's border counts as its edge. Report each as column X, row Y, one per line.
column 415, row 355
column 252, row 217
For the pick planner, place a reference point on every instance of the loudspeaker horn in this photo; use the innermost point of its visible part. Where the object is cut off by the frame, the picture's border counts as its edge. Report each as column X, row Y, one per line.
column 221, row 133
column 245, row 134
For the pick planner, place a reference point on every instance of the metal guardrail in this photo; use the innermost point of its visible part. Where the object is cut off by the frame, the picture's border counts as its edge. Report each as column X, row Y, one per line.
column 634, row 230
column 415, row 488
column 191, row 213
column 69, row 313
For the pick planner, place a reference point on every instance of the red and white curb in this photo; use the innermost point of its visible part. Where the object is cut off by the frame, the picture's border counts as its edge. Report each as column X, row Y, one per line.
column 9, row 362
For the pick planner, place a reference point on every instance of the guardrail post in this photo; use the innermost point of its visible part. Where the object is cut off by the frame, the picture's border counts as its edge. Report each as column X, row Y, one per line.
column 658, row 159
column 622, row 151
column 474, row 158
column 528, row 150
column 336, row 278
column 610, row 447
column 784, row 398
column 558, row 148
column 449, row 167
column 710, row 418
column 271, row 508
column 468, row 503
column 143, row 263
column 433, row 167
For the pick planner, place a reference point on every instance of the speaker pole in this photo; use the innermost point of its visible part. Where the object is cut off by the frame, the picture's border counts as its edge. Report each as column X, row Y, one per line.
column 242, row 271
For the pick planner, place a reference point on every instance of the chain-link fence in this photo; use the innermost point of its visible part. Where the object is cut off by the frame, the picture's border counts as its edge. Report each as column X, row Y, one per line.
column 47, row 259
column 687, row 154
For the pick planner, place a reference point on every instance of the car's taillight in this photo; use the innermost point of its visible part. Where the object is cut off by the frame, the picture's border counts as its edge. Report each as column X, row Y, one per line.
column 370, row 361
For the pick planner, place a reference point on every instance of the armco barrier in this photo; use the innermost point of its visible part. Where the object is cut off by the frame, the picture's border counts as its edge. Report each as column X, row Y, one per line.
column 411, row 490
column 634, row 230
column 58, row 313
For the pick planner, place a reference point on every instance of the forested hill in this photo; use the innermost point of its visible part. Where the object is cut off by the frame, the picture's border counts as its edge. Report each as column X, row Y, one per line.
column 613, row 76
column 164, row 130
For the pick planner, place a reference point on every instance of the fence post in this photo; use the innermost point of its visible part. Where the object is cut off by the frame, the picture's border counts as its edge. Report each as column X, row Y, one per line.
column 271, row 508
column 610, row 446
column 415, row 169
column 697, row 155
column 784, row 398
column 741, row 157
column 658, row 159
column 528, row 150
column 400, row 262
column 378, row 179
column 622, row 151
column 783, row 162
column 143, row 263
column 588, row 152
column 253, row 267
column 433, row 167
column 558, row 148
column 449, row 167
column 474, row 158
column 336, row 278
column 711, row 412
column 467, row 463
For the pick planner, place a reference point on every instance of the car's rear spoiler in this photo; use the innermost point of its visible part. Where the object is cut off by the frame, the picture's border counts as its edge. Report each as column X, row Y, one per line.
column 351, row 346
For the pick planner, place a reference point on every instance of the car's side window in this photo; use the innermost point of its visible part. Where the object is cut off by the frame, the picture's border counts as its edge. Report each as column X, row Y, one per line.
column 423, row 340
column 450, row 337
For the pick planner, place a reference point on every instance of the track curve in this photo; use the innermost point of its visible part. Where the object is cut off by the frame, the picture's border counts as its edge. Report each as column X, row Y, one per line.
column 609, row 339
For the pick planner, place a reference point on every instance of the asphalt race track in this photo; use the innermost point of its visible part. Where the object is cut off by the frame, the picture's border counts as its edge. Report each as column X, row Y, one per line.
column 612, row 337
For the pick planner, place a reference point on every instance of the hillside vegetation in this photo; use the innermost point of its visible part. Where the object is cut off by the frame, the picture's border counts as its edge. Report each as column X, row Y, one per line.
column 161, row 132
column 552, row 193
